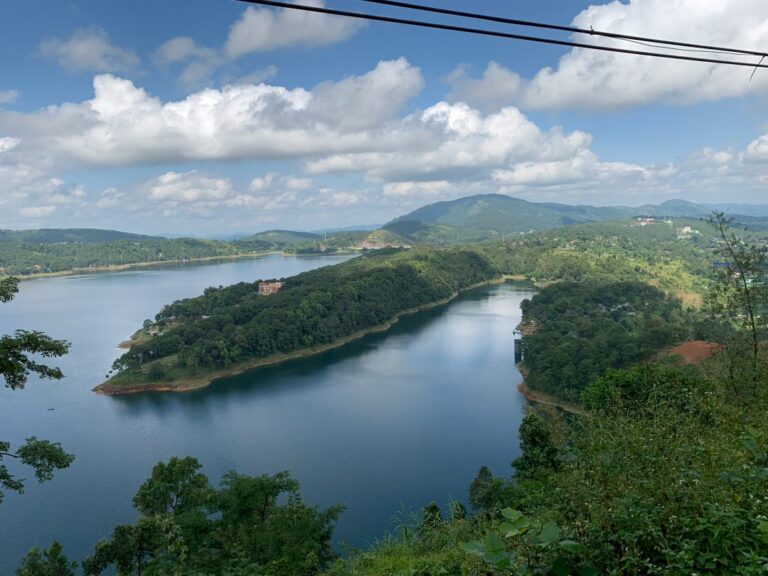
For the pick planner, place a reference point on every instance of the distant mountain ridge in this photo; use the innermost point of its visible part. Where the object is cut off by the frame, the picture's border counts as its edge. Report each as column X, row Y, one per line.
column 73, row 235
column 485, row 216
column 468, row 219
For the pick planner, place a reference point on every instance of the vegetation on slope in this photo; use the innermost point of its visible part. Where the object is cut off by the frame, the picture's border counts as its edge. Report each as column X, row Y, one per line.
column 34, row 258
column 488, row 216
column 578, row 331
column 228, row 326
column 67, row 235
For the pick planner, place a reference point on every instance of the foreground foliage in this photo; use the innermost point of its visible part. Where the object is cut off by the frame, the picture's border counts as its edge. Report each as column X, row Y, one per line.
column 250, row 525
column 17, row 364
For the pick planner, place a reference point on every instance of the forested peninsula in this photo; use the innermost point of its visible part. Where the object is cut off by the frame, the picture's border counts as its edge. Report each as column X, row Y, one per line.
column 229, row 330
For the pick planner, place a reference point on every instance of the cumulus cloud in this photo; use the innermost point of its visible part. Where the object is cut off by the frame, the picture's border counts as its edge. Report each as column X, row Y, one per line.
column 8, row 96
column 257, row 30
column 124, row 125
column 456, row 141
column 264, row 29
column 180, row 49
column 757, row 150
column 37, row 211
column 496, row 88
column 179, row 188
column 360, row 102
column 595, row 79
column 89, row 50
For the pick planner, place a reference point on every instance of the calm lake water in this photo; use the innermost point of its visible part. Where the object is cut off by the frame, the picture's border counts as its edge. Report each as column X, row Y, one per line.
column 389, row 422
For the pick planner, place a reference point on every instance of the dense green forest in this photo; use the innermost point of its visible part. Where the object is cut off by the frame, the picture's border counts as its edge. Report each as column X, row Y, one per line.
column 31, row 258
column 229, row 325
column 578, row 331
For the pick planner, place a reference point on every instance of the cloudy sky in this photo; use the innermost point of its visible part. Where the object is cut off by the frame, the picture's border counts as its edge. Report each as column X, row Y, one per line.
column 212, row 116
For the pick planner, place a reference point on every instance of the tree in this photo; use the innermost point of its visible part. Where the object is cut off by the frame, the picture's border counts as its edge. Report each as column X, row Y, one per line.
column 174, row 488
column 740, row 291
column 129, row 550
column 539, row 450
column 481, row 489
column 16, row 366
column 51, row 562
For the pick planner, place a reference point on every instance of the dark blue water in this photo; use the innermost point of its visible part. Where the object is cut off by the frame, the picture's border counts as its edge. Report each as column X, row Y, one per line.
column 393, row 420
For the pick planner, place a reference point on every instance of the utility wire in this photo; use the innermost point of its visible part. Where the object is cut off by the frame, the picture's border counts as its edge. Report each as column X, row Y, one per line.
column 572, row 29
column 496, row 34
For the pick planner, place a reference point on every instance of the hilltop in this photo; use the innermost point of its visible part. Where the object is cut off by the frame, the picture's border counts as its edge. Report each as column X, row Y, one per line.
column 487, row 216
column 68, row 235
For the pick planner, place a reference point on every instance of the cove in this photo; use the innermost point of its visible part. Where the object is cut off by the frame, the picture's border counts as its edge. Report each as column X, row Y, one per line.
column 388, row 422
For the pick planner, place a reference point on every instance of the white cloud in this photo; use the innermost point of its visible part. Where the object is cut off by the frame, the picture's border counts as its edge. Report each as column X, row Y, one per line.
column 257, row 30
column 188, row 187
column 264, row 29
column 123, row 125
column 360, row 102
column 757, row 150
column 110, row 198
column 455, row 141
column 421, row 189
column 180, row 49
column 89, row 50
column 37, row 211
column 8, row 96
column 498, row 87
column 595, row 79
column 8, row 144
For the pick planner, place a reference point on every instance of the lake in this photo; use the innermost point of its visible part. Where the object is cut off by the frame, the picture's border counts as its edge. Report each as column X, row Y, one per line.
column 387, row 423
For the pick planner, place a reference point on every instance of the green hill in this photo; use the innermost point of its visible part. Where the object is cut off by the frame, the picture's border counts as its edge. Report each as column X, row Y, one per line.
column 487, row 216
column 71, row 235
column 282, row 237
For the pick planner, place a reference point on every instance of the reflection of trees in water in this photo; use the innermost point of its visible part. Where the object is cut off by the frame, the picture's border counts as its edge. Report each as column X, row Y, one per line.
column 296, row 373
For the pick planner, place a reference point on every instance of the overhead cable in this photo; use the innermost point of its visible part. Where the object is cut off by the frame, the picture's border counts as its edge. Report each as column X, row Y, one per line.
column 497, row 34
column 571, row 29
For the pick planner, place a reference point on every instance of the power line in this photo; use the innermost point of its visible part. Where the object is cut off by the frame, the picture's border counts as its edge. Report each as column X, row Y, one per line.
column 496, row 34
column 572, row 29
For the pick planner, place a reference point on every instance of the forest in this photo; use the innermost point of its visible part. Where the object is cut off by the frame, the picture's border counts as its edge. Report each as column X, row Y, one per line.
column 229, row 325
column 580, row 330
column 24, row 258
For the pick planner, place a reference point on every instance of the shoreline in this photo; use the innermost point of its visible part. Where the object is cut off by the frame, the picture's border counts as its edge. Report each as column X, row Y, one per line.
column 124, row 267
column 160, row 263
column 546, row 399
column 205, row 380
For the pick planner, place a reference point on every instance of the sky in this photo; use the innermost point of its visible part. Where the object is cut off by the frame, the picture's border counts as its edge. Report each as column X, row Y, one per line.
column 217, row 117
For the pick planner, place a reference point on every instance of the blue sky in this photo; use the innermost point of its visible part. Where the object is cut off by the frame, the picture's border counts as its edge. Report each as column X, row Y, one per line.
column 214, row 117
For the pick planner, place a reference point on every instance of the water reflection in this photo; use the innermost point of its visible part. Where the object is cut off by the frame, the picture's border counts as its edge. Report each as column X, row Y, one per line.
column 402, row 417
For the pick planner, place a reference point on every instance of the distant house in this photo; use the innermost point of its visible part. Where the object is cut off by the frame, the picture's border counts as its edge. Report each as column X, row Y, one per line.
column 267, row 288
column 368, row 245
column 685, row 232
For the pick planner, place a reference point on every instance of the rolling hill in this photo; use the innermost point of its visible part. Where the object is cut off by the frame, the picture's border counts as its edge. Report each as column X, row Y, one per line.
column 68, row 235
column 486, row 216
